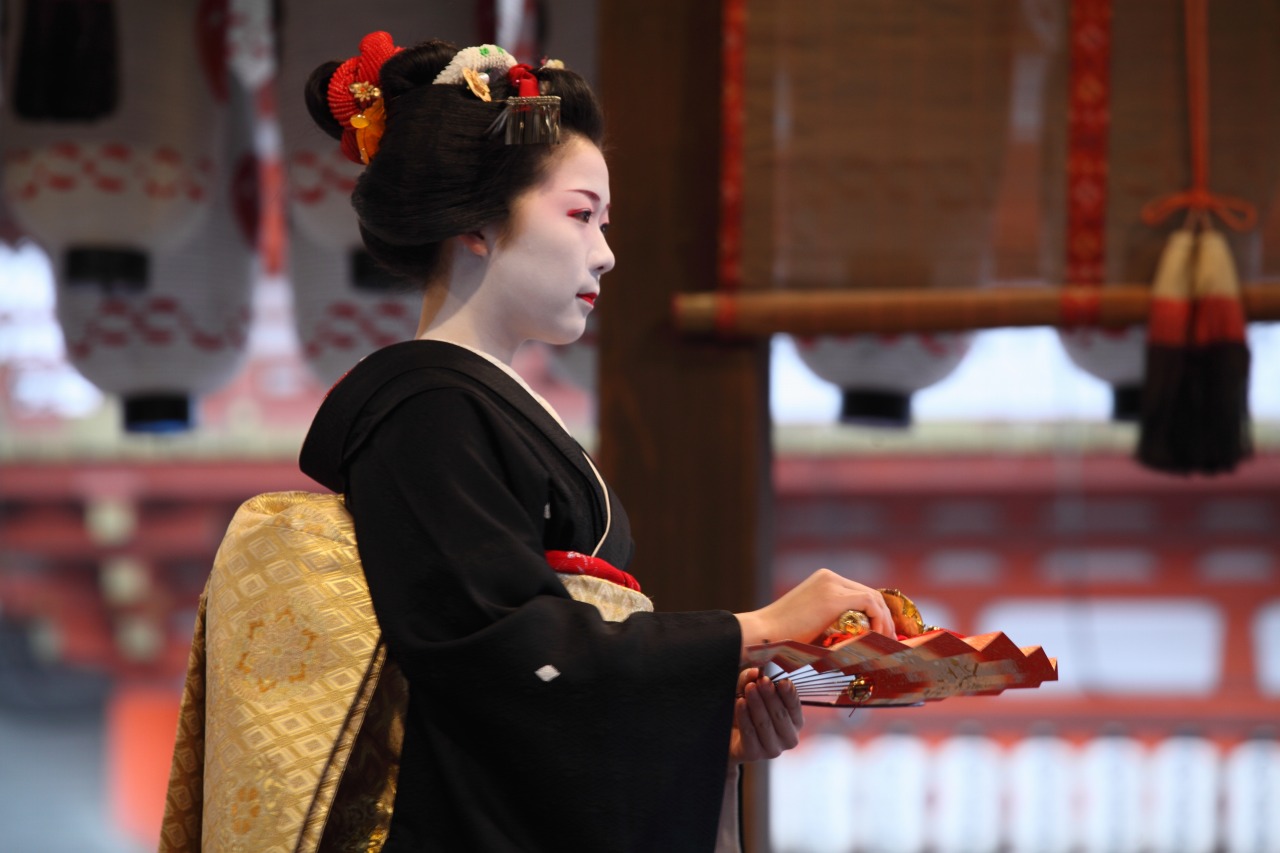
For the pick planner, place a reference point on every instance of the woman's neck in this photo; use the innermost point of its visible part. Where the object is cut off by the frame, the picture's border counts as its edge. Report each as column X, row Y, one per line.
column 456, row 335
column 447, row 317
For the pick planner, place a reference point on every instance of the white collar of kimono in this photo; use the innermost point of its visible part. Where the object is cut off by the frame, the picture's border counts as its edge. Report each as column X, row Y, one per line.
column 506, row 368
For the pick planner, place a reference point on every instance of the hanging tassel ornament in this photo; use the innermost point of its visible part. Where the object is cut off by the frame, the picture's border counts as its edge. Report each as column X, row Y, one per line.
column 1195, row 395
column 1220, row 359
column 1166, row 426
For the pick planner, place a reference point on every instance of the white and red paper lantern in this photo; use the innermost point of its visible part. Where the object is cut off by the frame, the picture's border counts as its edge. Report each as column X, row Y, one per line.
column 1252, row 787
column 1184, row 779
column 877, row 374
column 894, row 789
column 813, row 799
column 1039, row 777
column 184, row 334
column 344, row 305
column 967, row 772
column 1117, row 357
column 123, row 173
column 1110, row 787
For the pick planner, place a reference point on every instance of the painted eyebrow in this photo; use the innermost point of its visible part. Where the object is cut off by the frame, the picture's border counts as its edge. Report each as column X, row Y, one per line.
column 589, row 194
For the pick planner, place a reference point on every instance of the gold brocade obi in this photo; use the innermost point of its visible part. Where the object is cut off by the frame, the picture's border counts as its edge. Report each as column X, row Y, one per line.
column 292, row 716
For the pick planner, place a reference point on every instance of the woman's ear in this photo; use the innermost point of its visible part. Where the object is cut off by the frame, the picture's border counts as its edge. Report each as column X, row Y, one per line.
column 475, row 243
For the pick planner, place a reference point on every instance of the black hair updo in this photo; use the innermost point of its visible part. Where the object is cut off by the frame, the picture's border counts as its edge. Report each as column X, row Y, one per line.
column 439, row 172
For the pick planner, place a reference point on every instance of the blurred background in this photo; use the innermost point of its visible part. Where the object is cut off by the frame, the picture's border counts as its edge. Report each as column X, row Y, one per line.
column 181, row 280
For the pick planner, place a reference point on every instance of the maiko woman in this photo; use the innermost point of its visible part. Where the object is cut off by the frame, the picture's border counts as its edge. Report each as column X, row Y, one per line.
column 549, row 708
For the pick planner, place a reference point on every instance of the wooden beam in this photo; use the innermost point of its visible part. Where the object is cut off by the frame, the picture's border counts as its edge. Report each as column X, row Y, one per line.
column 835, row 312
column 684, row 424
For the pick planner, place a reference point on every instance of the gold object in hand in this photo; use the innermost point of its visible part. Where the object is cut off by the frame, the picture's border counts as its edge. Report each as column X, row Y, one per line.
column 906, row 616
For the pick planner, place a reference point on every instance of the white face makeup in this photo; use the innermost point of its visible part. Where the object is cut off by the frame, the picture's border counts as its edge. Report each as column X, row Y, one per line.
column 537, row 278
column 544, row 274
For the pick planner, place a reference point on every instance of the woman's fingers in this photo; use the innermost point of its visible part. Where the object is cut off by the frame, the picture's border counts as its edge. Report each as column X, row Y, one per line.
column 761, row 721
column 748, row 746
column 767, row 718
column 770, row 718
column 783, row 713
column 855, row 596
column 879, row 614
column 791, row 703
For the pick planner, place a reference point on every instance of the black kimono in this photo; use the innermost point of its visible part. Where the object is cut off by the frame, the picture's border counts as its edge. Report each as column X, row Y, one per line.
column 533, row 723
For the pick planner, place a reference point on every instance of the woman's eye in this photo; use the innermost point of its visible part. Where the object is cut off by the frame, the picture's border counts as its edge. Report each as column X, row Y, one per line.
column 604, row 228
column 582, row 215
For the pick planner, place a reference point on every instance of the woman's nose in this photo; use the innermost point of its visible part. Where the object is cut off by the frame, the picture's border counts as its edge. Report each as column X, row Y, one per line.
column 601, row 256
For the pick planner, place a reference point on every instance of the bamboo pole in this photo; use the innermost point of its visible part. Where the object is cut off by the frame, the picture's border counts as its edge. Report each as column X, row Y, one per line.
column 835, row 312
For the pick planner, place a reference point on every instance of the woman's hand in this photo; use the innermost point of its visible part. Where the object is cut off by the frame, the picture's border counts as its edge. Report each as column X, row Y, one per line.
column 812, row 605
column 767, row 718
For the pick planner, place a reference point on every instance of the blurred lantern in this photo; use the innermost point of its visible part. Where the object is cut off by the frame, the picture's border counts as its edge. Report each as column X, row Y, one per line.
column 124, row 580
column 1117, row 357
column 968, row 770
column 139, row 637
column 878, row 373
column 813, row 804
column 894, row 790
column 1110, row 786
column 110, row 521
column 875, row 135
column 10, row 233
column 116, row 161
column 345, row 306
column 1038, row 784
column 1253, row 795
column 250, row 42
column 1183, row 777
column 1115, row 138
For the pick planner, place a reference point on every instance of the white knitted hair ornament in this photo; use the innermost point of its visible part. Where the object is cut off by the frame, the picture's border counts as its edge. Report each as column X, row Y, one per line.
column 482, row 58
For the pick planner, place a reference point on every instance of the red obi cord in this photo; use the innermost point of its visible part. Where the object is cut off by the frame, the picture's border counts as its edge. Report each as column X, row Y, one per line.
column 574, row 563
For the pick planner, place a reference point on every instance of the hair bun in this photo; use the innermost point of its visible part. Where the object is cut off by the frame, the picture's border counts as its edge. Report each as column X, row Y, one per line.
column 440, row 169
column 316, row 95
column 415, row 66
column 402, row 69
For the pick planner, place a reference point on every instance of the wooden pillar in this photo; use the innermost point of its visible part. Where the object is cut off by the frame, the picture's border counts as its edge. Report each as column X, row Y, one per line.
column 684, row 425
